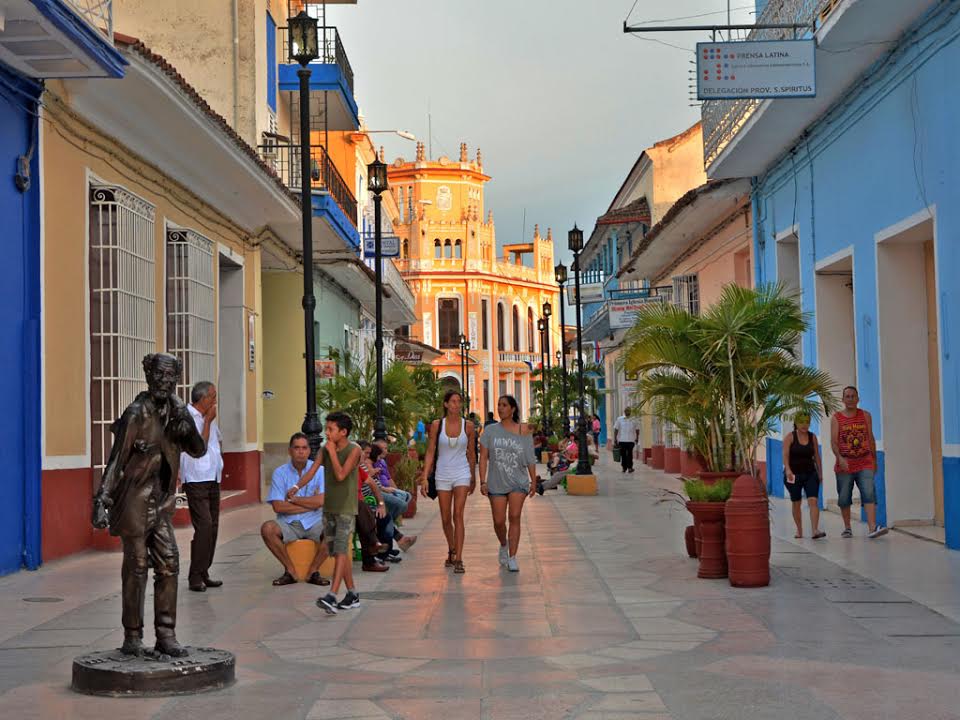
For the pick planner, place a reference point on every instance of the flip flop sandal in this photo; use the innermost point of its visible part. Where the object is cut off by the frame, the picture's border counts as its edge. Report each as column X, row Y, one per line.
column 819, row 535
column 449, row 561
column 458, row 567
column 317, row 579
column 285, row 579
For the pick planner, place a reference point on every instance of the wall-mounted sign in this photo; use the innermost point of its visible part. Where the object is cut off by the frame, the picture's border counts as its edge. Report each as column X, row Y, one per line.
column 623, row 313
column 589, row 293
column 326, row 369
column 756, row 69
column 409, row 356
column 389, row 246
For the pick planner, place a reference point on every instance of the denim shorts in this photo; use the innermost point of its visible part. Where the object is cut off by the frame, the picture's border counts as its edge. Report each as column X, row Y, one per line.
column 864, row 481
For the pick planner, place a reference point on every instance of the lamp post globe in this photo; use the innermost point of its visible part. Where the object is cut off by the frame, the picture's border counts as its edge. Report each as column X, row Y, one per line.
column 575, row 243
column 377, row 184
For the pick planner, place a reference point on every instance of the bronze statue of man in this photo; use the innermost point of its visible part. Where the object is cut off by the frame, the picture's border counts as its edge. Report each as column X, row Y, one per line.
column 137, row 498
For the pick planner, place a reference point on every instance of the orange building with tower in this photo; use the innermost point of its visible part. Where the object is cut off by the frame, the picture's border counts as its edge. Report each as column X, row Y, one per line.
column 449, row 258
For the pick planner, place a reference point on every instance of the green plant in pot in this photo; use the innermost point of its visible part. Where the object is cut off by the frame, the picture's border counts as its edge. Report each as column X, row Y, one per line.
column 405, row 475
column 724, row 379
column 706, row 504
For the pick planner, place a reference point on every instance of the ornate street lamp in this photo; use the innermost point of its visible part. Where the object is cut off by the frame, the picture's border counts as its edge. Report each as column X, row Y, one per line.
column 465, row 369
column 377, row 183
column 304, row 49
column 547, row 312
column 575, row 243
column 542, row 328
column 560, row 274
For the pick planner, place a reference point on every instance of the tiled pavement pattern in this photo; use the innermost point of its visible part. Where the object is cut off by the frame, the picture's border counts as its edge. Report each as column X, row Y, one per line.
column 606, row 620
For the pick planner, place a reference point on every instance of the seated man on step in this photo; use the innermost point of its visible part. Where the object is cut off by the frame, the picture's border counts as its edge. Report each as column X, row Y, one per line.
column 296, row 494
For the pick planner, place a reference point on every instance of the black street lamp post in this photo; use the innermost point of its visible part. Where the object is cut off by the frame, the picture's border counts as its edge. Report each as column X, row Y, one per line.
column 547, row 312
column 377, row 182
column 465, row 369
column 575, row 243
column 542, row 328
column 560, row 273
column 304, row 49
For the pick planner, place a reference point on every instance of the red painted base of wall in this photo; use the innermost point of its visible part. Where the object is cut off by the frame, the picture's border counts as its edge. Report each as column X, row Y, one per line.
column 240, row 484
column 671, row 460
column 66, row 498
column 646, row 455
column 656, row 457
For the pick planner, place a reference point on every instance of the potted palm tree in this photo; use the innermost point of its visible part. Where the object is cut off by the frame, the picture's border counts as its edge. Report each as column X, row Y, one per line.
column 724, row 379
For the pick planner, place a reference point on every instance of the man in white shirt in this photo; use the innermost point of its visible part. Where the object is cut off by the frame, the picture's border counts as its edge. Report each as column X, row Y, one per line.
column 626, row 434
column 201, row 483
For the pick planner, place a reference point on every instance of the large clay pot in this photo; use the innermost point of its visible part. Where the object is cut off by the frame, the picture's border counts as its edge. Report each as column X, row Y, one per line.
column 656, row 457
column 712, row 553
column 690, row 539
column 392, row 459
column 671, row 460
column 748, row 534
column 411, row 506
column 690, row 465
column 709, row 478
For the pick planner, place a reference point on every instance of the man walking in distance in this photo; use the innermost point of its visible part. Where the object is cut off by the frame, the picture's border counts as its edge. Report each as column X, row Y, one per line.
column 137, row 497
column 340, row 460
column 851, row 437
column 296, row 496
column 201, row 483
column 626, row 434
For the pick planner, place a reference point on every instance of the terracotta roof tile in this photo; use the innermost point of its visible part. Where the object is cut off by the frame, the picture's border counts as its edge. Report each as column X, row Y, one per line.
column 637, row 211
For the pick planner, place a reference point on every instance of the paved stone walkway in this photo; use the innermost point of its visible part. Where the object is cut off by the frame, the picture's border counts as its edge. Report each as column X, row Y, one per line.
column 606, row 620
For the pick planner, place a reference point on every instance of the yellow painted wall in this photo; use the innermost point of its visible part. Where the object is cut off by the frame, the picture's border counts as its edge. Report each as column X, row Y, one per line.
column 73, row 152
column 678, row 167
column 283, row 349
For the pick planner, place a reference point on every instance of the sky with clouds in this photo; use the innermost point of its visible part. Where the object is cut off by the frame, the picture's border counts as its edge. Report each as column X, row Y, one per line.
column 558, row 98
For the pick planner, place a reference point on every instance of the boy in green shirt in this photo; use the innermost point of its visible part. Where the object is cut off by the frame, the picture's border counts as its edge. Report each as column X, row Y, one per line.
column 340, row 458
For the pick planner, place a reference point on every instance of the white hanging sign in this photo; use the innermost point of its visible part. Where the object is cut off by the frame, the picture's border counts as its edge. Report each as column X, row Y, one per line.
column 756, row 69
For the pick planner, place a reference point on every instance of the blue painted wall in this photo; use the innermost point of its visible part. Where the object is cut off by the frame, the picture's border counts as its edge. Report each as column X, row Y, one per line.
column 888, row 150
column 19, row 329
column 271, row 63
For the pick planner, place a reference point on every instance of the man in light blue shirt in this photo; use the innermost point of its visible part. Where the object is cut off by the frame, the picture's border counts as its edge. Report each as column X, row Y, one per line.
column 299, row 515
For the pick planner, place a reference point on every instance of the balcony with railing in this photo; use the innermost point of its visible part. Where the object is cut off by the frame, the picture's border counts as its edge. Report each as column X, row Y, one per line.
column 324, row 176
column 331, row 51
column 97, row 13
column 517, row 357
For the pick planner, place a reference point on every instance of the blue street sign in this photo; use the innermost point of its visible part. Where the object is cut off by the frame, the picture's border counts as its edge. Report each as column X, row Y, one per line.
column 389, row 246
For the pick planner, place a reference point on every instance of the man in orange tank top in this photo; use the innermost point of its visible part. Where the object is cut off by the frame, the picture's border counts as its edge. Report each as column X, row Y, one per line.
column 851, row 437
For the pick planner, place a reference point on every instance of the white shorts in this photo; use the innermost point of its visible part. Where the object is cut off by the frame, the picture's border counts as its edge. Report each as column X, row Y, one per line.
column 447, row 484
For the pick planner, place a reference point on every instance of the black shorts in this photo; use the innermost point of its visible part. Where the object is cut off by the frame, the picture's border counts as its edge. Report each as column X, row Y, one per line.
column 804, row 483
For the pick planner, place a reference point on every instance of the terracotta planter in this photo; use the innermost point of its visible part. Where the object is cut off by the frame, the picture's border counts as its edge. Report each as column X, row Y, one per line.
column 671, row 460
column 709, row 478
column 708, row 517
column 690, row 465
column 656, row 457
column 413, row 454
column 689, row 537
column 748, row 534
column 411, row 506
column 392, row 459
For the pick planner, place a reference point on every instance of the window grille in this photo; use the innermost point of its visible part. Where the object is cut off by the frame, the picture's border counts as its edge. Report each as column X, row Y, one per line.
column 448, row 322
column 191, row 302
column 484, row 324
column 686, row 293
column 122, row 308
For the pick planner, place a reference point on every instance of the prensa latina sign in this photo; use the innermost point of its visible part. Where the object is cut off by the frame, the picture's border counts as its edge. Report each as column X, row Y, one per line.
column 760, row 70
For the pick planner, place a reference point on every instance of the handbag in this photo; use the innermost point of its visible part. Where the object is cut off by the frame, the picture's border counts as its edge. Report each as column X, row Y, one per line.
column 432, row 477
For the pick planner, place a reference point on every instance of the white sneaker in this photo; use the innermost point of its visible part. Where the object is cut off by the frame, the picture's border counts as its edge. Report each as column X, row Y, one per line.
column 512, row 565
column 877, row 532
column 503, row 556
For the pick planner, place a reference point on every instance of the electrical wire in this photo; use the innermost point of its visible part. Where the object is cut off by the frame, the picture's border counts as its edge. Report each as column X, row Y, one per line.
column 692, row 17
column 661, row 42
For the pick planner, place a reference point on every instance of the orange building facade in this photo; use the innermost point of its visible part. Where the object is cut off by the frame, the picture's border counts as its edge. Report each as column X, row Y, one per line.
column 449, row 258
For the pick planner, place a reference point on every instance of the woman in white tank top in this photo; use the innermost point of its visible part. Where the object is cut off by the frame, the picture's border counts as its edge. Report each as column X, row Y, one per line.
column 452, row 447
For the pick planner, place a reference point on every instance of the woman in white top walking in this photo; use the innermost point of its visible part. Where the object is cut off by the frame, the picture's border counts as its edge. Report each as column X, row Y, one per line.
column 452, row 446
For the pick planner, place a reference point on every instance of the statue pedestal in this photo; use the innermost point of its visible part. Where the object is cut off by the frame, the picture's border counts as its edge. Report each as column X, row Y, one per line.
column 112, row 673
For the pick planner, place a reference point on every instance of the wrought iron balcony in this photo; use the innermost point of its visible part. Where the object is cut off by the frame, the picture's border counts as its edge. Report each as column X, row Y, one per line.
column 723, row 119
column 285, row 159
column 331, row 51
column 97, row 13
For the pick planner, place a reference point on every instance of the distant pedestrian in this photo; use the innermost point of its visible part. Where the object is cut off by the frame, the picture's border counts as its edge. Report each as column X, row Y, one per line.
column 421, row 431
column 201, row 483
column 802, row 472
column 508, row 475
column 451, row 457
column 626, row 434
column 595, row 430
column 490, row 419
column 851, row 437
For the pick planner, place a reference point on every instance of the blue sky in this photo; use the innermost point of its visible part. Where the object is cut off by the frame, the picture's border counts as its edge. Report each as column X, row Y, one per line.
column 560, row 101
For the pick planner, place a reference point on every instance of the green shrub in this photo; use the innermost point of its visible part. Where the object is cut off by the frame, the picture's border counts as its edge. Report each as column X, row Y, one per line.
column 699, row 491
